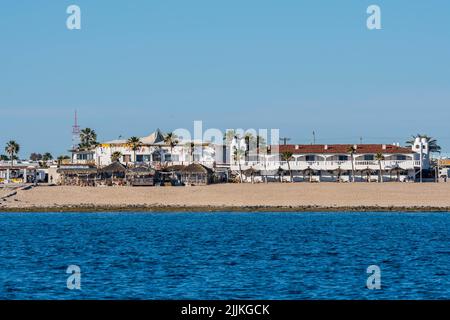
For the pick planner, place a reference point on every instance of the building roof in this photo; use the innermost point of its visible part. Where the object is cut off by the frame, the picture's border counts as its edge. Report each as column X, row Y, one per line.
column 76, row 169
column 196, row 168
column 114, row 167
column 141, row 170
column 341, row 148
column 154, row 138
column 174, row 168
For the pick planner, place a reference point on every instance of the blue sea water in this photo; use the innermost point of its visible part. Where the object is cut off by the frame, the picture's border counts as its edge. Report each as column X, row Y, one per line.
column 225, row 255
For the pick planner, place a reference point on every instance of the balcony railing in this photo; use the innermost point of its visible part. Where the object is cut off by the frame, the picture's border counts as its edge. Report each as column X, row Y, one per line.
column 330, row 165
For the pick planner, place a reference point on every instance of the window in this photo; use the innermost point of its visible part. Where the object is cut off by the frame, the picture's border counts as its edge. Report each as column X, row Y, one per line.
column 401, row 157
column 156, row 156
column 310, row 158
column 139, row 158
column 85, row 156
column 368, row 157
column 342, row 158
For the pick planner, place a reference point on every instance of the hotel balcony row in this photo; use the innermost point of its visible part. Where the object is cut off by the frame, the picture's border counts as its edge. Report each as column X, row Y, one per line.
column 329, row 165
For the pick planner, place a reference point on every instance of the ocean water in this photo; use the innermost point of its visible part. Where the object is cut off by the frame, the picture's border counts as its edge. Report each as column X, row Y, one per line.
column 224, row 255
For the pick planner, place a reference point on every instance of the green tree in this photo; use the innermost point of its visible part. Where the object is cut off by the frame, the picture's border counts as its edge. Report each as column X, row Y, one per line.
column 379, row 157
column 237, row 156
column 134, row 144
column 35, row 156
column 12, row 148
column 432, row 143
column 88, row 139
column 115, row 156
column 47, row 156
column 352, row 150
column 287, row 156
column 171, row 140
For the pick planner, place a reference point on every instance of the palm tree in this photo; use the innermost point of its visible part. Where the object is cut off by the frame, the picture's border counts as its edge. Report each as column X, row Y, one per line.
column 4, row 157
column 432, row 143
column 351, row 150
column 237, row 155
column 287, row 156
column 115, row 156
column 135, row 144
column 12, row 148
column 88, row 139
column 379, row 157
column 339, row 173
column 171, row 140
column 191, row 146
column 230, row 135
column 260, row 145
column 250, row 142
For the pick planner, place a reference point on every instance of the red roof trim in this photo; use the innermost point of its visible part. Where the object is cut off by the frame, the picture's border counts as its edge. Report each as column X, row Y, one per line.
column 341, row 148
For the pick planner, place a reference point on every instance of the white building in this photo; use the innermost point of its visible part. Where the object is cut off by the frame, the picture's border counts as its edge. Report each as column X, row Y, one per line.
column 153, row 151
column 334, row 162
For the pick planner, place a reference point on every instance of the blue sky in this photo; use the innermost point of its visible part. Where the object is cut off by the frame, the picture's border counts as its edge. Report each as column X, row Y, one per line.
column 290, row 64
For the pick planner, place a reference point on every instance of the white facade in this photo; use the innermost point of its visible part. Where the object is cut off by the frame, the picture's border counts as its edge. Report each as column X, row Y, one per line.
column 334, row 162
column 153, row 151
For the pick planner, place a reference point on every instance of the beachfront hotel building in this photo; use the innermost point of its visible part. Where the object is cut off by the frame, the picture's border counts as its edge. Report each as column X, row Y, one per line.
column 312, row 162
column 153, row 151
column 335, row 162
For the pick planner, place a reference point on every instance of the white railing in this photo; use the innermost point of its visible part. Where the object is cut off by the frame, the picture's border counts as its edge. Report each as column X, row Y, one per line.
column 328, row 165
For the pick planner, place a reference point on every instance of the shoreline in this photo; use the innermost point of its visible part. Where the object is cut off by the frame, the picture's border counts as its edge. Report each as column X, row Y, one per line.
column 301, row 197
column 170, row 209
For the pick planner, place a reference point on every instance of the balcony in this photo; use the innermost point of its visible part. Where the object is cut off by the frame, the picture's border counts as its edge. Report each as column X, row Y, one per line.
column 328, row 165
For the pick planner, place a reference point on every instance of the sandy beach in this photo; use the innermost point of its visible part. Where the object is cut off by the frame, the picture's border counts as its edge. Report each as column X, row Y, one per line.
column 235, row 197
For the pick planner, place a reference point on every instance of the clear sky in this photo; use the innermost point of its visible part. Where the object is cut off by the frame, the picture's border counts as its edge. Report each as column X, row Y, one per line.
column 290, row 64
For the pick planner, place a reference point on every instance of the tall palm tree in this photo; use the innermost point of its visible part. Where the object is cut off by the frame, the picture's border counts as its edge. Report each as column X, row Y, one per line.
column 171, row 140
column 115, row 156
column 134, row 144
column 432, row 143
column 379, row 157
column 88, row 139
column 12, row 148
column 191, row 146
column 260, row 145
column 287, row 156
column 250, row 142
column 237, row 155
column 351, row 150
column 230, row 135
